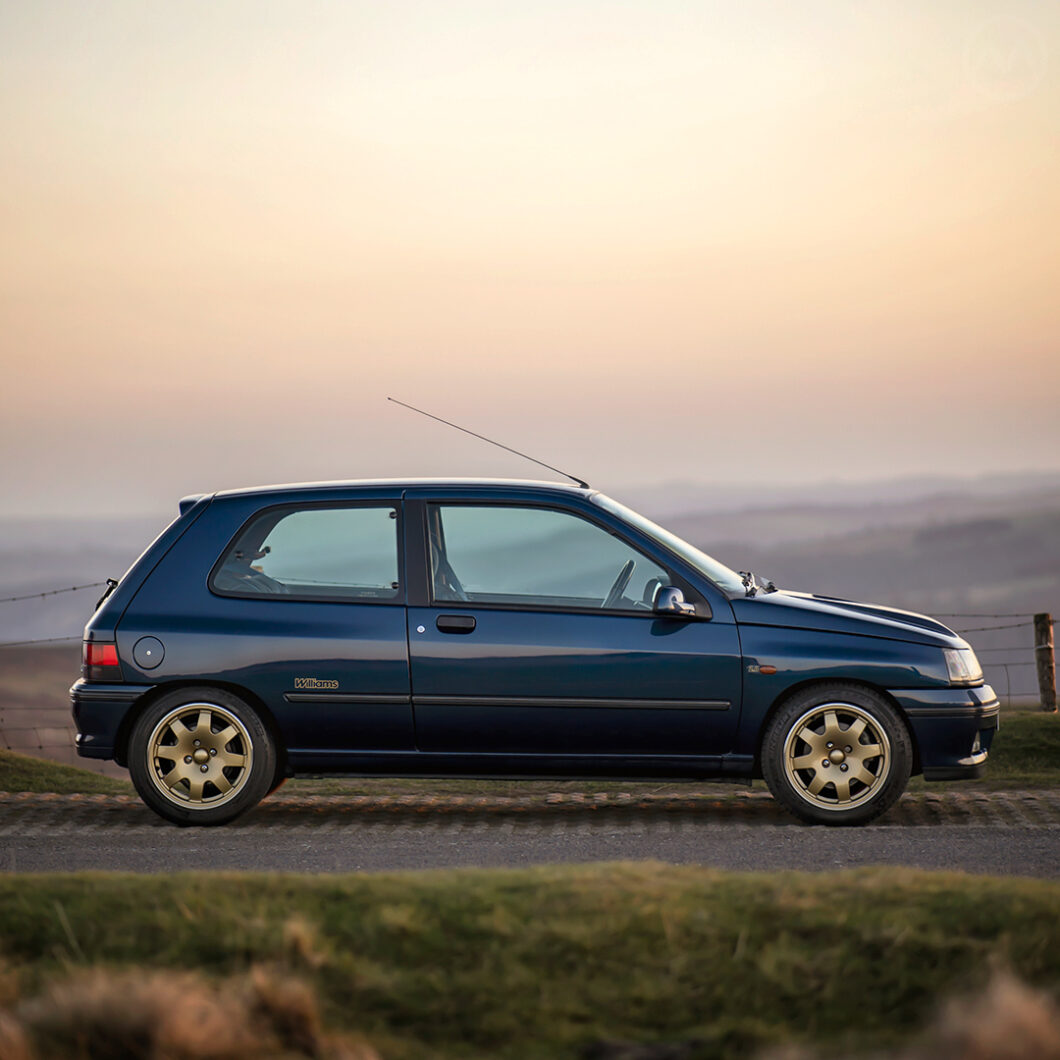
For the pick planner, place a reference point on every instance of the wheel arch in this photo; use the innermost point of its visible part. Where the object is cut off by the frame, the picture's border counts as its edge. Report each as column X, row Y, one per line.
column 826, row 682
column 121, row 744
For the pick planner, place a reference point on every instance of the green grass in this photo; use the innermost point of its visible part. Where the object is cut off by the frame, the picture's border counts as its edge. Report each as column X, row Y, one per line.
column 1028, row 745
column 19, row 772
column 538, row 963
column 1025, row 754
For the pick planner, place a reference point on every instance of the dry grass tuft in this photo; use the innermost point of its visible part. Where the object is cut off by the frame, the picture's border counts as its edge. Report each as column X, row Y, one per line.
column 157, row 1016
column 9, row 991
column 290, row 1008
column 100, row 1014
column 13, row 1044
column 302, row 944
column 1008, row 1021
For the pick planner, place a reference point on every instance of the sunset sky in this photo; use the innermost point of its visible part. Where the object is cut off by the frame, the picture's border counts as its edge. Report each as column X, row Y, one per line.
column 769, row 241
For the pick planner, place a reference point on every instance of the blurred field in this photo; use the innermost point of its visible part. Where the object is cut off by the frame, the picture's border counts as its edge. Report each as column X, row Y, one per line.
column 547, row 962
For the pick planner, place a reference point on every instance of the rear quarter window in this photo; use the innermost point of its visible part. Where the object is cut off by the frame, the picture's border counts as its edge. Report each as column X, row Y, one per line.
column 314, row 553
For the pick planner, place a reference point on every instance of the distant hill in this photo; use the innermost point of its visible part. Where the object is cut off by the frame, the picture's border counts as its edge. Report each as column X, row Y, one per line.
column 996, row 564
column 678, row 498
column 1000, row 563
column 44, row 554
column 786, row 524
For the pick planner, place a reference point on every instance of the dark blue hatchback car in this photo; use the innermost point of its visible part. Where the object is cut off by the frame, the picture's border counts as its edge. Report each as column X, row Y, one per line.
column 498, row 629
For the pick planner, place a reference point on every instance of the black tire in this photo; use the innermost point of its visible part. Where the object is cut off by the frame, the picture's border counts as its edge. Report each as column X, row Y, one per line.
column 837, row 754
column 201, row 756
column 280, row 776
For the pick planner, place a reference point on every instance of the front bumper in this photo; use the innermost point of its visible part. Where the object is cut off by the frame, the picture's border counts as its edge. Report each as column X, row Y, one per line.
column 99, row 711
column 953, row 728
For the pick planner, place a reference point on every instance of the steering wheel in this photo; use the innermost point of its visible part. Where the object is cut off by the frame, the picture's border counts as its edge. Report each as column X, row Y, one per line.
column 615, row 593
column 448, row 580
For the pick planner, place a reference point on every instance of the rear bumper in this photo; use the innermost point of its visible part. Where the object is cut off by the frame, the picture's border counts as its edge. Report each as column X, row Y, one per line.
column 953, row 728
column 99, row 711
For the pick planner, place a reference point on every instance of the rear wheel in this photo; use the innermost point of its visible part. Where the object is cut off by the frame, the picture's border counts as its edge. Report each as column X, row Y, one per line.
column 837, row 754
column 201, row 756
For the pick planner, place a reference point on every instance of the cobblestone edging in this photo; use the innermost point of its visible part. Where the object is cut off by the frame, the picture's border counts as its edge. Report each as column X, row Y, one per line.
column 1004, row 809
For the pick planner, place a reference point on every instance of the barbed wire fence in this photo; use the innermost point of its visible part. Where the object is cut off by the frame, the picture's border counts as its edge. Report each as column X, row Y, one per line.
column 1012, row 657
column 51, row 592
column 52, row 734
column 42, row 728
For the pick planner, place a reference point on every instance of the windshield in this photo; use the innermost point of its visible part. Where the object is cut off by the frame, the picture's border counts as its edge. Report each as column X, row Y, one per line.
column 717, row 572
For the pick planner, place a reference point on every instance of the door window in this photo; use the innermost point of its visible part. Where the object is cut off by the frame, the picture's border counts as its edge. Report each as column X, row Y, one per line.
column 315, row 552
column 496, row 554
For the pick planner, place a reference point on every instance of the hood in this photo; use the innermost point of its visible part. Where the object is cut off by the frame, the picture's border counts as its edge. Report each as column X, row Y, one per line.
column 829, row 615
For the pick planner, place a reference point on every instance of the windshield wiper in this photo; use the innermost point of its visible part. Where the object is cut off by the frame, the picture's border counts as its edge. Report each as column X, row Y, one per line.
column 752, row 585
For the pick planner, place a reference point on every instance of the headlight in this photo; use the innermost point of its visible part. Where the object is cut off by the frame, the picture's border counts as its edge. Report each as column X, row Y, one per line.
column 963, row 666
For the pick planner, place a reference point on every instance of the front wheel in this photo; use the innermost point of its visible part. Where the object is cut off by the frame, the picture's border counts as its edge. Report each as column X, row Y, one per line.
column 837, row 754
column 201, row 756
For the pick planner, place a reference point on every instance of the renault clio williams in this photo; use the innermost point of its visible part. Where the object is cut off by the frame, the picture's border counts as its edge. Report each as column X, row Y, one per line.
column 501, row 629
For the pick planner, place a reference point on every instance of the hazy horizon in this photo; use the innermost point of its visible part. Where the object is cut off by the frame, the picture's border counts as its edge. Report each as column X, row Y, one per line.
column 658, row 241
column 668, row 496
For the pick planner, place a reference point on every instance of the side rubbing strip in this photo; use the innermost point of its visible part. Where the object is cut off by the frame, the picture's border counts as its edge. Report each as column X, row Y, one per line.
column 339, row 697
column 587, row 704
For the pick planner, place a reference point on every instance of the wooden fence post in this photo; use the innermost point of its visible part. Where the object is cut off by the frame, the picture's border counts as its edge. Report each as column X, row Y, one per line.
column 1045, row 657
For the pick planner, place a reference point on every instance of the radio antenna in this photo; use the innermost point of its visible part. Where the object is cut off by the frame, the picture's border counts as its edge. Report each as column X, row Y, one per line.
column 482, row 437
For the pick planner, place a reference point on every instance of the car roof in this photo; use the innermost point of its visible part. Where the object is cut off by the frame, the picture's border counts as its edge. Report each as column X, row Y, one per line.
column 523, row 485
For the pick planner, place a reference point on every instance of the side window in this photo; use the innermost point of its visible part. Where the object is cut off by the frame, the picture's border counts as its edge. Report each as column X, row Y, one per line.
column 318, row 552
column 508, row 555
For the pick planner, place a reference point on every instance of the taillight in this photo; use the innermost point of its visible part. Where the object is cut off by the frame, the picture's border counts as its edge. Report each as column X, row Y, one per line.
column 99, row 661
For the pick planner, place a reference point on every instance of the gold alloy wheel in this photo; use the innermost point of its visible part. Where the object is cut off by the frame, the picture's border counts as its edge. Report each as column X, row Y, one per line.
column 200, row 755
column 837, row 756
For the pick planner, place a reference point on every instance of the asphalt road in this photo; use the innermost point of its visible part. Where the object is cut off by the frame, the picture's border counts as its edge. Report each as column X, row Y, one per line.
column 1005, row 834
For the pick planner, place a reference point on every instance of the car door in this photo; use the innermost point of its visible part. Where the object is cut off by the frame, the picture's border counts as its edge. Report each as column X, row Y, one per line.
column 309, row 600
column 537, row 637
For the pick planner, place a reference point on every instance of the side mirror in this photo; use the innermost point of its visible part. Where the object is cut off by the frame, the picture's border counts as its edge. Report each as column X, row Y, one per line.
column 670, row 601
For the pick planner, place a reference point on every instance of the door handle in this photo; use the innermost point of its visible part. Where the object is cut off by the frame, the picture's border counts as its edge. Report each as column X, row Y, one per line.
column 455, row 623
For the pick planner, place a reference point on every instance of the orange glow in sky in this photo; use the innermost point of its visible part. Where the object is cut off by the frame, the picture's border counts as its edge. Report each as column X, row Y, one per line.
column 651, row 241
